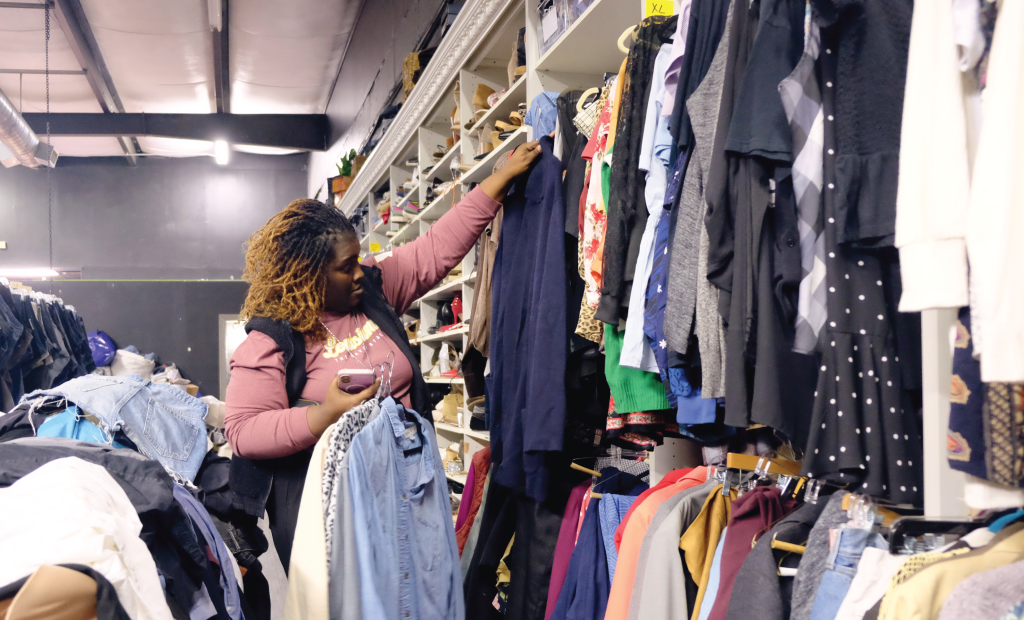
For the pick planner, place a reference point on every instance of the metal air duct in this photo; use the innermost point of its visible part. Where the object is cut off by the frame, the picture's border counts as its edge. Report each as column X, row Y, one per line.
column 21, row 141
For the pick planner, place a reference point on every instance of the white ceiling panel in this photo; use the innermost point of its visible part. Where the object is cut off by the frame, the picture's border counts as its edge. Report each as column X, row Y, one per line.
column 175, row 147
column 285, row 61
column 23, row 41
column 75, row 146
column 262, row 150
column 158, row 52
column 68, row 93
column 284, row 57
column 269, row 99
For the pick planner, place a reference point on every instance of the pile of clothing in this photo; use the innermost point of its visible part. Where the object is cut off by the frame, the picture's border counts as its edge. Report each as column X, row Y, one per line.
column 111, row 477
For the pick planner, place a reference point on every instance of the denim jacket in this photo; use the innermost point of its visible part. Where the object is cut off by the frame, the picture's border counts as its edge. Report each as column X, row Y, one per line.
column 164, row 422
column 405, row 538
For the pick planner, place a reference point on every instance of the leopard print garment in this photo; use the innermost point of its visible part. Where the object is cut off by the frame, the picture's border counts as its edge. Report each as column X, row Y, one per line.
column 344, row 432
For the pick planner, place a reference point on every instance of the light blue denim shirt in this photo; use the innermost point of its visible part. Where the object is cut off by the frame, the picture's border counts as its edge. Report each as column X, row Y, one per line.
column 405, row 538
column 166, row 424
column 543, row 114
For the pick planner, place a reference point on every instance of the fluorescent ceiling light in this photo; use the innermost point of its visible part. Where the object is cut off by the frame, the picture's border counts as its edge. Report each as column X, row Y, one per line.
column 220, row 152
column 32, row 272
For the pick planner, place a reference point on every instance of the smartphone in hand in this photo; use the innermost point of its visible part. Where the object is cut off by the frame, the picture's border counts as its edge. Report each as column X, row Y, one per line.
column 355, row 381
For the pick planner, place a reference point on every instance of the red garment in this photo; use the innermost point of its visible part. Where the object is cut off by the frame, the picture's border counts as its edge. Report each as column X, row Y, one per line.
column 481, row 463
column 583, row 513
column 565, row 545
column 583, row 200
column 670, row 478
column 752, row 516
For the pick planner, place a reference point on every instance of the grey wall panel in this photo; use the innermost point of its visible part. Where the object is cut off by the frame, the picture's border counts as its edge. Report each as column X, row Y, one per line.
column 181, row 218
column 176, row 320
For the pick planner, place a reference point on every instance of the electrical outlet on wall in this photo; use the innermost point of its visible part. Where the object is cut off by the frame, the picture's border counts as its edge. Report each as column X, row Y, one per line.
column 3, row 245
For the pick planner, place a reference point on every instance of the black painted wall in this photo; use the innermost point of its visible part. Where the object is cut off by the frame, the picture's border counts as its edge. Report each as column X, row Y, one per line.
column 167, row 218
column 176, row 320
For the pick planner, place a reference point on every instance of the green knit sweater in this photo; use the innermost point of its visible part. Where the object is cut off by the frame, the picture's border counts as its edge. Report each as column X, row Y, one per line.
column 633, row 390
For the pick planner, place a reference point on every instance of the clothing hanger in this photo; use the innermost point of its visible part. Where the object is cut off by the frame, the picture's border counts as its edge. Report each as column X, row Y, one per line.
column 622, row 39
column 592, row 472
column 583, row 98
column 790, row 547
column 907, row 527
column 384, row 389
column 578, row 467
column 750, row 462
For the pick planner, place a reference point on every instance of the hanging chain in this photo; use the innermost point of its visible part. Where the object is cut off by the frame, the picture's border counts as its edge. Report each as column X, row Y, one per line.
column 49, row 195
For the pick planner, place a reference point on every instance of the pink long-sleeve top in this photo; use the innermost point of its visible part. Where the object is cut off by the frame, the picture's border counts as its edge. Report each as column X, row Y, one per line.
column 260, row 424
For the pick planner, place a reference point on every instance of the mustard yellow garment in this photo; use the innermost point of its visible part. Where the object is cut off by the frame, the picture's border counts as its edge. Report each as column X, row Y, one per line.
column 700, row 540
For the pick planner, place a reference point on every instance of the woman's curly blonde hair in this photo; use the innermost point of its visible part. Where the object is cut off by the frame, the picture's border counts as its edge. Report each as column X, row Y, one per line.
column 285, row 264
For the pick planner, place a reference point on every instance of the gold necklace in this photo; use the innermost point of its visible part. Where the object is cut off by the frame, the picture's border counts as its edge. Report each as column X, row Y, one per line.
column 353, row 356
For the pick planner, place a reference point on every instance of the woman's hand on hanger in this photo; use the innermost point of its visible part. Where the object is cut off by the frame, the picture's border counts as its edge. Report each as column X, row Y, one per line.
column 521, row 160
column 496, row 185
column 336, row 403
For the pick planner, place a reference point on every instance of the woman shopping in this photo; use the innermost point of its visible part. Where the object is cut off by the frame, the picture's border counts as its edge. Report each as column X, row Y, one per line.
column 313, row 310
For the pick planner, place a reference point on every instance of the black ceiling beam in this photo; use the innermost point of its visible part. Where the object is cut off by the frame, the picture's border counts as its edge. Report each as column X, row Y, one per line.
column 76, row 28
column 289, row 131
column 221, row 63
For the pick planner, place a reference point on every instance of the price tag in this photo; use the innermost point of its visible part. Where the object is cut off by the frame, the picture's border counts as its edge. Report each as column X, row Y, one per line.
column 658, row 7
column 374, row 247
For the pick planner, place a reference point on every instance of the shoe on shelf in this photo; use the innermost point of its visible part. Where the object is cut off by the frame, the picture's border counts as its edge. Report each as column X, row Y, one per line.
column 439, row 154
column 512, row 62
column 495, row 97
column 411, row 330
column 412, row 162
column 480, row 105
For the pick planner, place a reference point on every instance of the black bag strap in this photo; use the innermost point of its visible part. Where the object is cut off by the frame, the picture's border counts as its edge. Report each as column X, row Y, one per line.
column 293, row 348
column 376, row 308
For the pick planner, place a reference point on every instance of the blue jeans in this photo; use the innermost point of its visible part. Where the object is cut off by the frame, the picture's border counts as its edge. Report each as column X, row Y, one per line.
column 167, row 425
column 840, row 568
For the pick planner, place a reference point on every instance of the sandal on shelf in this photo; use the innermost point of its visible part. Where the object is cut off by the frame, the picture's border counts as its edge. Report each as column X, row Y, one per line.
column 480, row 105
column 516, row 118
column 485, row 150
column 505, row 127
column 439, row 153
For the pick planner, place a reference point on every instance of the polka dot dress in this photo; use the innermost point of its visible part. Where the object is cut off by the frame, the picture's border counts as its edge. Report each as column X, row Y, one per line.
column 863, row 429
